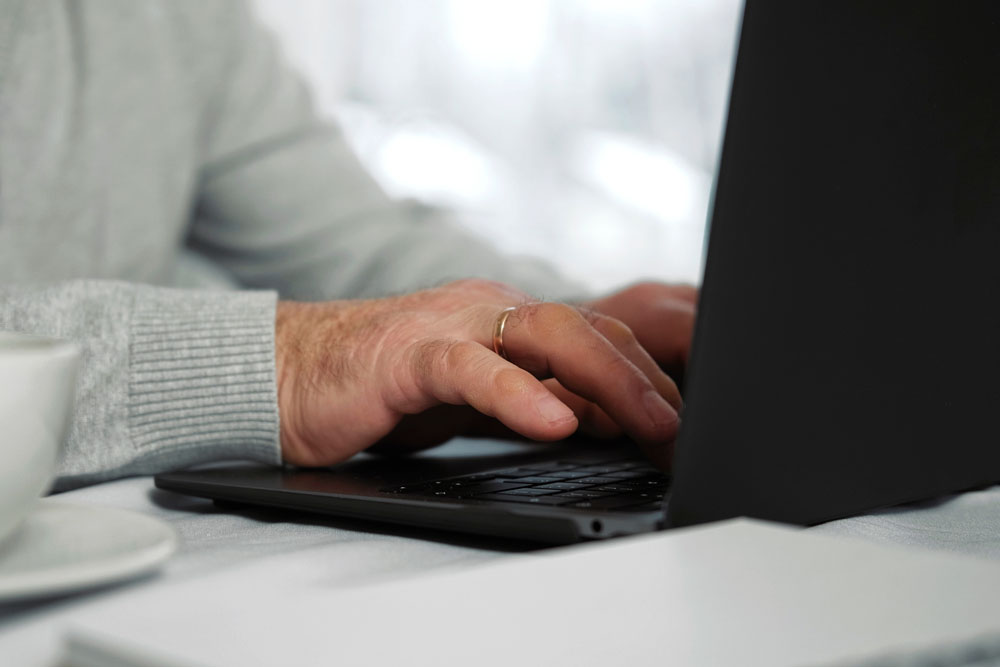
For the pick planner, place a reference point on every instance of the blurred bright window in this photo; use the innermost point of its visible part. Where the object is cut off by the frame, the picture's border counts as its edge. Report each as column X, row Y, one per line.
column 584, row 131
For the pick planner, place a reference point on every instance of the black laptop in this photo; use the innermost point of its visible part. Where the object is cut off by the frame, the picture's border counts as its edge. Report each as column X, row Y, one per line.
column 847, row 349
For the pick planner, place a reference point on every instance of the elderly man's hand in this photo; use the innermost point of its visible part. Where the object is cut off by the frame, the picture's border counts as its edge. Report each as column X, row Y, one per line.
column 355, row 373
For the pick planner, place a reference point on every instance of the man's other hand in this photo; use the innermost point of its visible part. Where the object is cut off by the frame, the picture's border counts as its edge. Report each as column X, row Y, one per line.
column 355, row 373
column 661, row 316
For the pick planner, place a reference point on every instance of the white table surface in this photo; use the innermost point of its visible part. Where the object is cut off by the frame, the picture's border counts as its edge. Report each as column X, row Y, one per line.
column 348, row 553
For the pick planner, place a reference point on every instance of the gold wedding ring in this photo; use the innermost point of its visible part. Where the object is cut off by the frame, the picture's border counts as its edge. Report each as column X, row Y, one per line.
column 498, row 331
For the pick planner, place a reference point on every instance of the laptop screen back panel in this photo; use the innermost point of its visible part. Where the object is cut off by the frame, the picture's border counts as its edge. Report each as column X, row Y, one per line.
column 848, row 343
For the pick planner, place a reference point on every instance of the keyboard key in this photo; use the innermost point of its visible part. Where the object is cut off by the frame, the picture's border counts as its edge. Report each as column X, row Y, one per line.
column 617, row 488
column 597, row 470
column 628, row 465
column 515, row 472
column 633, row 483
column 531, row 500
column 537, row 480
column 568, row 474
column 585, row 461
column 564, row 486
column 596, row 480
column 584, row 494
column 627, row 474
column 528, row 491
column 487, row 487
column 548, row 466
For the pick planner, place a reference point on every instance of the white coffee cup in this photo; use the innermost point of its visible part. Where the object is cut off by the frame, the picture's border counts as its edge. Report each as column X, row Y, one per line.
column 37, row 388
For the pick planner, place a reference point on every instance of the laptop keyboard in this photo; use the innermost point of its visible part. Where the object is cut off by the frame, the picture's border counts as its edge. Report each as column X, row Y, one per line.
column 629, row 485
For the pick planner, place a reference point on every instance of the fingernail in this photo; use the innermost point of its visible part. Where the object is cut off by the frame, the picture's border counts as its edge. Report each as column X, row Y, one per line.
column 658, row 409
column 553, row 410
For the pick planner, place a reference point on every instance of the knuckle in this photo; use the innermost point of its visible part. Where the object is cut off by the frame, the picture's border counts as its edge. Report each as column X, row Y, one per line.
column 460, row 353
column 426, row 357
column 553, row 318
column 439, row 362
column 440, row 358
column 430, row 356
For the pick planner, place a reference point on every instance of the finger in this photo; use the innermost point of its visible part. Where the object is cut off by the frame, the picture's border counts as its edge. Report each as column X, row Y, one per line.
column 464, row 372
column 594, row 421
column 686, row 293
column 648, row 292
column 661, row 453
column 554, row 340
column 666, row 330
column 619, row 335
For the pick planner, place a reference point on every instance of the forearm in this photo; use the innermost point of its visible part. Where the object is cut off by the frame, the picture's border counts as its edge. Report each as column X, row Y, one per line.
column 169, row 377
column 283, row 202
column 309, row 221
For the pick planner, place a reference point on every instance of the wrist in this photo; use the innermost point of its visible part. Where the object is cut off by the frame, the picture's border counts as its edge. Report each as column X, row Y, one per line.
column 286, row 341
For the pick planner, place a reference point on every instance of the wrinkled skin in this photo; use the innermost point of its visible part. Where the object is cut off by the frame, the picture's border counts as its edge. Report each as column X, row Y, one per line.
column 411, row 371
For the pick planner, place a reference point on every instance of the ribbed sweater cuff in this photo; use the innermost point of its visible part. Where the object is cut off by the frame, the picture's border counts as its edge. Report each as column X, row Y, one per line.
column 202, row 381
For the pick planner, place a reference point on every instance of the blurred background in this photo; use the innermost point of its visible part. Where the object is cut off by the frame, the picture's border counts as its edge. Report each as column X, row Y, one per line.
column 583, row 131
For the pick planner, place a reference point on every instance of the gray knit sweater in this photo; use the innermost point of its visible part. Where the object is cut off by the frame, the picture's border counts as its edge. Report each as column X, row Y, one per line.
column 163, row 177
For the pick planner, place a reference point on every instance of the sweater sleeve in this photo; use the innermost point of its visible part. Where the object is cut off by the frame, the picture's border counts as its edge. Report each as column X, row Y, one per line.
column 170, row 377
column 285, row 204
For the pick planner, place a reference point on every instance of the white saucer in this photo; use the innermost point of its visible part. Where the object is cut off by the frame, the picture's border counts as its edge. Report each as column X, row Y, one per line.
column 61, row 548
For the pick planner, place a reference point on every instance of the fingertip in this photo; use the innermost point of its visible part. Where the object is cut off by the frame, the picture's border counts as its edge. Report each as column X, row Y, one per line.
column 553, row 411
column 659, row 447
column 562, row 429
column 550, row 432
column 671, row 393
column 663, row 416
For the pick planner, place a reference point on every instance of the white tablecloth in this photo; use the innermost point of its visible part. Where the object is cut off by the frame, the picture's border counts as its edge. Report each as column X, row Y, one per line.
column 214, row 540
